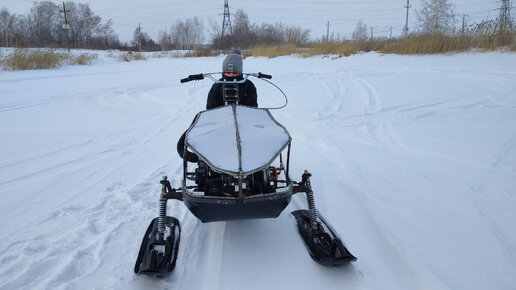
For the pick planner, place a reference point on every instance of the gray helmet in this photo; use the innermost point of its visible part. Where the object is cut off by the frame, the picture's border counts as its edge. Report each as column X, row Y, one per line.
column 233, row 62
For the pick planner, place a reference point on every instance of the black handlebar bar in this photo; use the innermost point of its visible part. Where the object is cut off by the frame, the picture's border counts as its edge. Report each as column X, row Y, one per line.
column 264, row 76
column 198, row 77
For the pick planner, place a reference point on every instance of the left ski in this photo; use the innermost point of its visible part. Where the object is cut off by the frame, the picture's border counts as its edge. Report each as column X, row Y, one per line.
column 158, row 256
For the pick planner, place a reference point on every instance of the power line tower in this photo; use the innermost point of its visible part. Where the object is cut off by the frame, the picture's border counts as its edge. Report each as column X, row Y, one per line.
column 504, row 20
column 405, row 29
column 226, row 22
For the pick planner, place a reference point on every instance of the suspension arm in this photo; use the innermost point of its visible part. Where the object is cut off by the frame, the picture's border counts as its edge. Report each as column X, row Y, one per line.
column 167, row 192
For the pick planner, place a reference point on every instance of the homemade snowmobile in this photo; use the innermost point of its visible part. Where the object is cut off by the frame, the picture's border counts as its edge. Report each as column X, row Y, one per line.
column 242, row 173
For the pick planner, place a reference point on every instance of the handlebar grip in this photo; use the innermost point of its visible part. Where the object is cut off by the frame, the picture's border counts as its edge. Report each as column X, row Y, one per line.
column 185, row 80
column 196, row 77
column 264, row 76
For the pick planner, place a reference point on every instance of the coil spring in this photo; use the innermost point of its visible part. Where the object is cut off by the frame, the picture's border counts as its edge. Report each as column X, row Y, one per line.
column 162, row 219
column 311, row 208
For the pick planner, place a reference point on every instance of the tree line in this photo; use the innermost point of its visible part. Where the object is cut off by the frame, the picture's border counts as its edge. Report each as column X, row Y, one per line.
column 189, row 34
column 245, row 34
column 438, row 17
column 43, row 27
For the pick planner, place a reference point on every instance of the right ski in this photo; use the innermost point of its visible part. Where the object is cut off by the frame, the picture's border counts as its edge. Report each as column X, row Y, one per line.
column 323, row 245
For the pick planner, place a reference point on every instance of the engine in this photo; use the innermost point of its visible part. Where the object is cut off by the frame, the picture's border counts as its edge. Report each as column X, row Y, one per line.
column 220, row 184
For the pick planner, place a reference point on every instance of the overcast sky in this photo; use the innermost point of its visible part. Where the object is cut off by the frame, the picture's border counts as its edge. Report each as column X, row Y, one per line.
column 342, row 15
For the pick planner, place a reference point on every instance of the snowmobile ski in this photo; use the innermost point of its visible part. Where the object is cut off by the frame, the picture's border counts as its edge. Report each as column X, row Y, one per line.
column 324, row 246
column 157, row 254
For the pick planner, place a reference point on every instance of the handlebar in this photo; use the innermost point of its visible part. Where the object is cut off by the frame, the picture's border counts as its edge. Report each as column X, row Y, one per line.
column 264, row 77
column 198, row 77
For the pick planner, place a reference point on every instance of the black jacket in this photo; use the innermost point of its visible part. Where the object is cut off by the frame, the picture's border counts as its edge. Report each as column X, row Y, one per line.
column 246, row 95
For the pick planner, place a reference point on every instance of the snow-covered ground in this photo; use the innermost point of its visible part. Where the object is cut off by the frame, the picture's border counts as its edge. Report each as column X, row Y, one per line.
column 413, row 161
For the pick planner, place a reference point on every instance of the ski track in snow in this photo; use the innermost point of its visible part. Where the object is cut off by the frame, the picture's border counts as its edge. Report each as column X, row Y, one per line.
column 415, row 177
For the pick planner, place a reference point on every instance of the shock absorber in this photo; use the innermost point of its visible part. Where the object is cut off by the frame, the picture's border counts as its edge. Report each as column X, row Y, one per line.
column 162, row 218
column 305, row 179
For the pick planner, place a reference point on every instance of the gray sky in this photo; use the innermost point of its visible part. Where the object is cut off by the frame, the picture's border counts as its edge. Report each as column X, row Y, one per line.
column 156, row 15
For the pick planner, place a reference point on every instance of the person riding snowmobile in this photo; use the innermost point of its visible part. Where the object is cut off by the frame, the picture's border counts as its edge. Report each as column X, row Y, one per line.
column 232, row 68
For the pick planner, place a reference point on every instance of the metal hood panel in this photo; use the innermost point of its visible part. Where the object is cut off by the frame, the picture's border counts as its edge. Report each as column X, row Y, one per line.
column 237, row 139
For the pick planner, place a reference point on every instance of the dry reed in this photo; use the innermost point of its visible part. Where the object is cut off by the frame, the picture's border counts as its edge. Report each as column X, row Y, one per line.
column 31, row 59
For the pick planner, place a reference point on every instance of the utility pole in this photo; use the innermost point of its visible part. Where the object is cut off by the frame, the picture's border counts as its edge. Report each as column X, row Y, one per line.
column 463, row 30
column 372, row 33
column 328, row 31
column 390, row 33
column 408, row 6
column 6, row 44
column 226, row 22
column 139, row 33
column 66, row 26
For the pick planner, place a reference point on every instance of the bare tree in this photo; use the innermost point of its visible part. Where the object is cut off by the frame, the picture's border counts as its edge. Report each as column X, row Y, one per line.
column 360, row 32
column 186, row 34
column 41, row 21
column 241, row 22
column 436, row 16
column 243, row 32
column 6, row 20
column 215, row 30
column 142, row 41
column 197, row 31
column 297, row 35
column 246, row 34
column 42, row 26
column 270, row 33
column 165, row 40
column 104, row 37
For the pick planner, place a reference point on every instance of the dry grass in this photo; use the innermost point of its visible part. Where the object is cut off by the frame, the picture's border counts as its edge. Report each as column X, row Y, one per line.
column 202, row 52
column 335, row 48
column 274, row 51
column 24, row 59
column 428, row 44
column 130, row 56
column 84, row 59
column 29, row 59
column 139, row 56
column 413, row 45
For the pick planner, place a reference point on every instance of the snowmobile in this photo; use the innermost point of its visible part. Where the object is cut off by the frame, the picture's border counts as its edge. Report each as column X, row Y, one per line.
column 242, row 173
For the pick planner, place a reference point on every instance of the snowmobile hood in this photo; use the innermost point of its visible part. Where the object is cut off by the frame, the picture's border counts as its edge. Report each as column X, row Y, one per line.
column 237, row 140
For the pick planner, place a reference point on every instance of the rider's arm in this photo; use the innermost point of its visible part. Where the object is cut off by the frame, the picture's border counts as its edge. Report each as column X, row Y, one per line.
column 252, row 97
column 214, row 97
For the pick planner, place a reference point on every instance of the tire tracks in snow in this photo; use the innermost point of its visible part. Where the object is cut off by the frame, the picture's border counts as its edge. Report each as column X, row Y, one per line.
column 377, row 252
column 82, row 231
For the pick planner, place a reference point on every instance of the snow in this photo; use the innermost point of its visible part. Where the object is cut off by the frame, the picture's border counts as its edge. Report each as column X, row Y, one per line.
column 413, row 161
